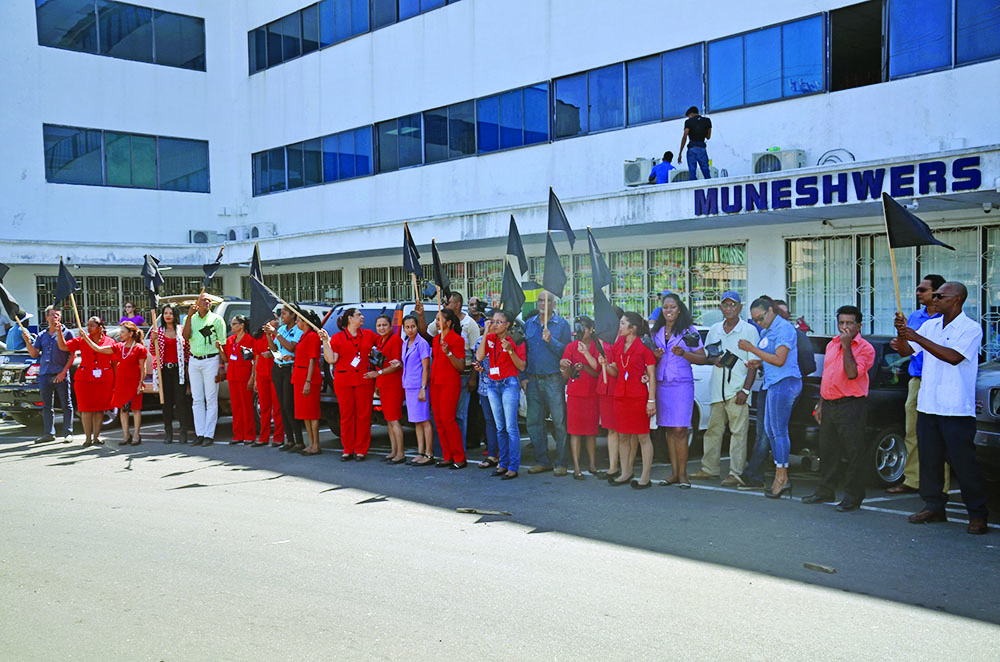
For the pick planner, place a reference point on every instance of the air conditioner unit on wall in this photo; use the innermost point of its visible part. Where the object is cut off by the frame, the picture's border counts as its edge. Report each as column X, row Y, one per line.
column 258, row 230
column 682, row 174
column 637, row 171
column 778, row 161
column 202, row 236
column 237, row 233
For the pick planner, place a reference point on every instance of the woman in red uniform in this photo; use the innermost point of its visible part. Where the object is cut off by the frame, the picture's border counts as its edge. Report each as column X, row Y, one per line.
column 606, row 384
column 307, row 380
column 635, row 400
column 389, row 382
column 238, row 354
column 580, row 369
column 93, row 382
column 129, row 358
column 447, row 361
column 267, row 396
column 348, row 353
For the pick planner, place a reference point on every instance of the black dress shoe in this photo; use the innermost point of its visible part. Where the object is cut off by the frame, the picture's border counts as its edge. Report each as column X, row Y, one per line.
column 258, row 444
column 508, row 476
column 169, row 439
column 347, row 457
column 499, row 472
column 818, row 498
column 617, row 483
column 847, row 505
column 443, row 463
column 360, row 458
column 207, row 441
column 458, row 465
column 183, row 437
column 197, row 441
column 636, row 485
column 286, row 447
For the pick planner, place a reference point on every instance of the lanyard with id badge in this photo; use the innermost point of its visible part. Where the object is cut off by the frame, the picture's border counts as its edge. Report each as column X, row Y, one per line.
column 494, row 360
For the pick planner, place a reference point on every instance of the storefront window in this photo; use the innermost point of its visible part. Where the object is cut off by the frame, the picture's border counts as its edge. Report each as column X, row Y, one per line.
column 485, row 280
column 820, row 280
column 714, row 270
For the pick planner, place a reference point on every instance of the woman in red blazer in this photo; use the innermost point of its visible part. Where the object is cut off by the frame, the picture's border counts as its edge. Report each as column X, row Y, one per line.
column 307, row 380
column 389, row 382
column 447, row 361
column 348, row 353
column 94, row 381
column 238, row 354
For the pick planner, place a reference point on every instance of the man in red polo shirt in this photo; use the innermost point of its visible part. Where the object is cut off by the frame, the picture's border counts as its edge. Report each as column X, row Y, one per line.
column 842, row 412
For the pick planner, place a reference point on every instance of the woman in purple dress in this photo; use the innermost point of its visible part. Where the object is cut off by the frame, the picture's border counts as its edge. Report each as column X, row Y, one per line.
column 416, row 374
column 131, row 315
column 678, row 345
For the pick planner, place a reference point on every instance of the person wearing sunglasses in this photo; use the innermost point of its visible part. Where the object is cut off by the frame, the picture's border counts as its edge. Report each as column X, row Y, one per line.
column 911, row 471
column 946, row 405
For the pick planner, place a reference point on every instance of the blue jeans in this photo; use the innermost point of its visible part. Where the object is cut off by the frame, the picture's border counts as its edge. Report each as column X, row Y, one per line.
column 762, row 444
column 49, row 388
column 698, row 156
column 546, row 395
column 491, row 426
column 781, row 398
column 504, row 395
column 462, row 413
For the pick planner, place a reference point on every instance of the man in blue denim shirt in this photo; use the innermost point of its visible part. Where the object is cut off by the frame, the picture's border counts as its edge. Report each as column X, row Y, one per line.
column 53, row 375
column 546, row 393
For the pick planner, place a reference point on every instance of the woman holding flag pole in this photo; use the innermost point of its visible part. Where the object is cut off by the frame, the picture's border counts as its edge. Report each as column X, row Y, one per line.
column 348, row 353
column 129, row 357
column 94, row 381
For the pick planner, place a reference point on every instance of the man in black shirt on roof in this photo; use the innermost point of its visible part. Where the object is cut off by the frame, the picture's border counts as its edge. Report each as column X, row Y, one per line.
column 697, row 131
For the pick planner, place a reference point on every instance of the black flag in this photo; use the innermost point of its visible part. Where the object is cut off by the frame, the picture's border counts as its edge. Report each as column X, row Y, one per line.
column 605, row 319
column 3, row 271
column 65, row 284
column 515, row 247
column 255, row 268
column 10, row 305
column 262, row 303
column 440, row 277
column 599, row 268
column 411, row 256
column 151, row 278
column 557, row 218
column 211, row 268
column 554, row 276
column 905, row 229
column 511, row 293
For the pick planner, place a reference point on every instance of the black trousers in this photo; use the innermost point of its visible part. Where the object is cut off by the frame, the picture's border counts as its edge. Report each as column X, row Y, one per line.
column 281, row 375
column 842, row 437
column 176, row 401
column 949, row 439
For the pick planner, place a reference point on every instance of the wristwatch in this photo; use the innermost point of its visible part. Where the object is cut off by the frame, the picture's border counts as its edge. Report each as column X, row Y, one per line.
column 380, row 371
column 745, row 391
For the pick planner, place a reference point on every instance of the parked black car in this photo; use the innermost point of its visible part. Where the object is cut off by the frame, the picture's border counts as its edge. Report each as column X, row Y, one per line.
column 988, row 420
column 886, row 430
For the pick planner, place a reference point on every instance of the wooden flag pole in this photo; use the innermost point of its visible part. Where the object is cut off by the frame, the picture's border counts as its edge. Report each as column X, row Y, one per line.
column 416, row 293
column 153, row 342
column 892, row 261
column 76, row 313
column 298, row 314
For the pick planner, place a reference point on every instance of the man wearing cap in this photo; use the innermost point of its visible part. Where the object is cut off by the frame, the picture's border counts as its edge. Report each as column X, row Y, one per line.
column 730, row 390
column 656, row 312
column 53, row 375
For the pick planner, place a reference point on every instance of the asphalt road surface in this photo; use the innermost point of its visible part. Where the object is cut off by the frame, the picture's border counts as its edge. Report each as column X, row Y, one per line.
column 164, row 552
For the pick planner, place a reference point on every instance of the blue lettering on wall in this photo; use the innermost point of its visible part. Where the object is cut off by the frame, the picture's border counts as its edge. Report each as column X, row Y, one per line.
column 965, row 175
column 901, row 181
column 805, row 188
column 933, row 171
column 757, row 197
column 734, row 205
column 868, row 184
column 781, row 194
column 706, row 201
column 829, row 188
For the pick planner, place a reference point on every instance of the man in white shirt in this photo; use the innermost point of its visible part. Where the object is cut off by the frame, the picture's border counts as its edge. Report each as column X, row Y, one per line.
column 730, row 388
column 946, row 405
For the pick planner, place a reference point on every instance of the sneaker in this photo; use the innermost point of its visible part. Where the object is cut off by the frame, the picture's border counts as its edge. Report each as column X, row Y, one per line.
column 68, row 439
column 704, row 475
column 540, row 468
column 749, row 484
column 560, row 471
column 732, row 480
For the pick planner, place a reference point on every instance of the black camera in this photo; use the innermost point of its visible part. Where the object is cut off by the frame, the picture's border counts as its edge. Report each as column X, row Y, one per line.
column 714, row 350
column 247, row 353
column 728, row 360
column 691, row 338
column 376, row 359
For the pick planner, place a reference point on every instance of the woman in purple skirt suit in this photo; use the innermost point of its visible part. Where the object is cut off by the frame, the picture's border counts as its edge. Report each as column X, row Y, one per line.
column 416, row 374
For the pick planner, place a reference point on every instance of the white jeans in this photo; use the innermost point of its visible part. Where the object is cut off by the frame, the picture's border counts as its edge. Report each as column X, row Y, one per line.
column 204, row 395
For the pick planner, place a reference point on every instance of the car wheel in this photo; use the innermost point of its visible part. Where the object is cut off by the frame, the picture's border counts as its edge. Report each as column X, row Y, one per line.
column 333, row 420
column 107, row 418
column 887, row 456
column 28, row 420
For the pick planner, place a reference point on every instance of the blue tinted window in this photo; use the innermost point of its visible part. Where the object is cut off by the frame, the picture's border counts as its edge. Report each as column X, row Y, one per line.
column 312, row 158
column 126, row 31
column 331, row 167
column 310, row 30
column 388, row 146
column 260, row 173
column 762, row 61
column 408, row 8
column 410, row 147
column 383, row 13
column 359, row 16
column 683, row 80
column 276, row 169
column 293, row 159
column 488, row 124
column 644, row 94
column 73, row 156
column 725, row 73
column 511, row 119
column 978, row 25
column 69, row 24
column 436, row 135
column 346, row 155
column 536, row 114
column 363, row 151
column 802, row 49
column 118, row 159
column 260, row 48
column 326, row 23
column 342, row 20
column 274, row 43
column 426, row 5
column 571, row 106
column 607, row 97
column 291, row 28
column 180, row 41
column 184, row 165
column 461, row 129
column 919, row 36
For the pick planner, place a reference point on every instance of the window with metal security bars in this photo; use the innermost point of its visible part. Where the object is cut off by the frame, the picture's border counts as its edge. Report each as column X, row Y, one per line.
column 714, row 270
column 306, row 290
column 190, row 285
column 536, row 270
column 456, row 273
column 400, row 285
column 485, row 280
column 45, row 290
column 627, row 287
column 330, row 286
column 101, row 298
column 287, row 287
column 667, row 271
column 583, row 286
column 374, row 284
column 133, row 291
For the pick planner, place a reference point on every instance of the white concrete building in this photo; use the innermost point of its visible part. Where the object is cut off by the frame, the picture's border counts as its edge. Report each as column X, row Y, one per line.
column 330, row 124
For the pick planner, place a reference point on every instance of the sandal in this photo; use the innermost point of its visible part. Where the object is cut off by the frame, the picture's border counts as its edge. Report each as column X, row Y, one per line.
column 489, row 462
column 509, row 476
column 311, row 453
column 499, row 471
column 668, row 482
column 578, row 475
